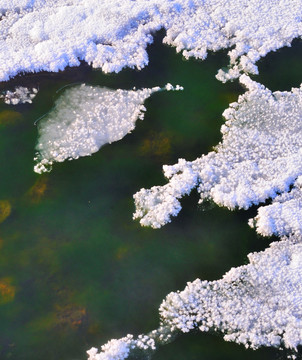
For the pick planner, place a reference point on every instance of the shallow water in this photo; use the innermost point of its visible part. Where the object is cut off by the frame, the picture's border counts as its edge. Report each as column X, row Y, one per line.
column 75, row 269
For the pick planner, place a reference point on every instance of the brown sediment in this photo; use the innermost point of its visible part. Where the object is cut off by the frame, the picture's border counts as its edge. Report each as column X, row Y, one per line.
column 37, row 191
column 7, row 290
column 70, row 315
column 9, row 117
column 156, row 144
column 5, row 210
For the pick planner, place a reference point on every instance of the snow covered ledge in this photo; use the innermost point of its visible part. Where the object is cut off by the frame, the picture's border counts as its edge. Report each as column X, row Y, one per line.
column 49, row 35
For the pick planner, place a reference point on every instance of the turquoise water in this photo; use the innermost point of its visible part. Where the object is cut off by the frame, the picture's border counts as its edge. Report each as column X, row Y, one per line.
column 75, row 269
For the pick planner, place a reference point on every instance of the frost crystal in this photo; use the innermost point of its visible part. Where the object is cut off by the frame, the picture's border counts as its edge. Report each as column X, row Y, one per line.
column 260, row 156
column 21, row 95
column 50, row 35
column 85, row 118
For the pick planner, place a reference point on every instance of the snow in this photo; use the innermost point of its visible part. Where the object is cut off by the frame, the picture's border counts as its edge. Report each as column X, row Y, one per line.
column 38, row 35
column 283, row 216
column 20, row 95
column 85, row 118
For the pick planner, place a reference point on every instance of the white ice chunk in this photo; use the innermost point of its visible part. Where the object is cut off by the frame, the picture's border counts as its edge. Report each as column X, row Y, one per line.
column 20, row 95
column 85, row 118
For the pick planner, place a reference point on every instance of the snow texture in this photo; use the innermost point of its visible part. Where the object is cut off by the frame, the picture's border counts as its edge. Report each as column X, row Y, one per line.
column 283, row 216
column 260, row 157
column 85, row 118
column 258, row 304
column 21, row 95
column 38, row 35
column 15, row 5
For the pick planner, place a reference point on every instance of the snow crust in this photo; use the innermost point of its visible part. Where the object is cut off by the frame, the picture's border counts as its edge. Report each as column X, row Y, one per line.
column 38, row 35
column 260, row 157
column 85, row 118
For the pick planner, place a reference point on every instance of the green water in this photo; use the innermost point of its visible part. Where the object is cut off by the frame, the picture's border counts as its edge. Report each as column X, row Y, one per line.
column 75, row 269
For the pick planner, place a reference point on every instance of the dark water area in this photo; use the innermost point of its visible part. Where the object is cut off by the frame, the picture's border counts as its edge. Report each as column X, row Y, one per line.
column 75, row 269
column 281, row 70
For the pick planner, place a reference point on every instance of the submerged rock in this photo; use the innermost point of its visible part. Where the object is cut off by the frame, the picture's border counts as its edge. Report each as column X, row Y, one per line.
column 21, row 95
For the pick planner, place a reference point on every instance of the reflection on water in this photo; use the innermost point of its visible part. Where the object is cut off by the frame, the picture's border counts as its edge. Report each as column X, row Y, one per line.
column 75, row 270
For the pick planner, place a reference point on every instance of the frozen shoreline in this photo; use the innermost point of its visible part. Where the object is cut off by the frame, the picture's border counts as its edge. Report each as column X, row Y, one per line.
column 38, row 35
